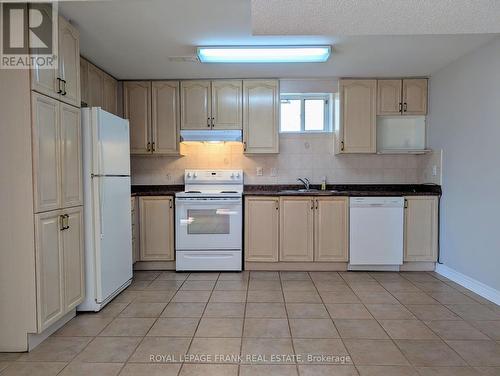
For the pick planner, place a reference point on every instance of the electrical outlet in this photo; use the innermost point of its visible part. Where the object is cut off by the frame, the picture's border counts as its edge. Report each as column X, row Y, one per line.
column 434, row 170
column 259, row 171
column 168, row 176
column 274, row 172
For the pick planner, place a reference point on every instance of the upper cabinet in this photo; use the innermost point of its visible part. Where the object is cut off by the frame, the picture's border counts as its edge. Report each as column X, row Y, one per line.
column 62, row 83
column 84, row 79
column 415, row 96
column 137, row 109
column 165, row 117
column 69, row 63
column 226, row 104
column 109, row 93
column 261, row 116
column 153, row 112
column 211, row 104
column 196, row 111
column 402, row 97
column 95, row 86
column 357, row 128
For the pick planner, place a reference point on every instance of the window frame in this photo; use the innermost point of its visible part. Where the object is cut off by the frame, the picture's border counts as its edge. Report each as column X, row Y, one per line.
column 328, row 113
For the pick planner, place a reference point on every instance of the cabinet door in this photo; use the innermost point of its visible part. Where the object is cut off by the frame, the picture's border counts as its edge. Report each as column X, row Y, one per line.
column 196, row 105
column 84, row 81
column 49, row 269
column 226, row 104
column 96, row 86
column 46, row 153
column 331, row 229
column 109, row 92
column 165, row 117
column 45, row 80
column 415, row 96
column 389, row 97
column 137, row 109
column 71, row 156
column 296, row 228
column 421, row 229
column 358, row 116
column 156, row 228
column 260, row 116
column 261, row 229
column 73, row 251
column 69, row 63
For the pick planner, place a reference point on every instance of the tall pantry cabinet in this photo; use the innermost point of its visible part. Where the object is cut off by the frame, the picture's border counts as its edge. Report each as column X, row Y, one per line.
column 42, row 259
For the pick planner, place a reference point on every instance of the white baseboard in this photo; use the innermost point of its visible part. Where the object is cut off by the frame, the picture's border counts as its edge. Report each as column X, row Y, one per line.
column 479, row 288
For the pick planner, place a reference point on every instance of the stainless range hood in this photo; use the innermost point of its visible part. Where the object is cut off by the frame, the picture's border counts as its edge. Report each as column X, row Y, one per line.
column 212, row 135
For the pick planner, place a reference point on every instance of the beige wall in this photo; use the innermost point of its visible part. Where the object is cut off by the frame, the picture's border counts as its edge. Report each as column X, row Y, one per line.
column 300, row 156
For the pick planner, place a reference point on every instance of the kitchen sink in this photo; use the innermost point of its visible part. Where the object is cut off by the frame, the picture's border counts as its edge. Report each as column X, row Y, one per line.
column 300, row 191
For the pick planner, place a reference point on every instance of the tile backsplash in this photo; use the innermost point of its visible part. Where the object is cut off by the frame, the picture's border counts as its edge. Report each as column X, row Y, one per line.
column 300, row 155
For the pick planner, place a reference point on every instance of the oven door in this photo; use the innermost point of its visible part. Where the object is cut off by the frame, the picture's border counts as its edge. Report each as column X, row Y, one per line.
column 208, row 223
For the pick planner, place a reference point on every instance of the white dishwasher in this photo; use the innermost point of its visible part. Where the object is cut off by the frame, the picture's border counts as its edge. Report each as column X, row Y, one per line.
column 376, row 233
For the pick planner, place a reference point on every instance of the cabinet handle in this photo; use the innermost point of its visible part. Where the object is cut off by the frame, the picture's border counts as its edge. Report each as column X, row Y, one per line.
column 406, row 204
column 213, row 121
column 64, row 87
column 244, row 146
column 400, row 107
column 341, row 145
column 312, row 204
column 170, row 202
column 277, row 204
column 317, row 204
column 61, row 222
column 64, row 221
column 59, row 90
column 405, row 107
column 208, row 122
column 153, row 146
column 149, row 146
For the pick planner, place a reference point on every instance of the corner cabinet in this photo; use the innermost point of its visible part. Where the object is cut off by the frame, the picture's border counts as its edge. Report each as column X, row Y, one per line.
column 156, row 228
column 260, row 116
column 357, row 129
column 421, row 228
column 262, row 229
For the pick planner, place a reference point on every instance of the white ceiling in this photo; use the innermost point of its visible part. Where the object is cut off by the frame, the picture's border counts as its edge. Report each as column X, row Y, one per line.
column 370, row 17
column 133, row 39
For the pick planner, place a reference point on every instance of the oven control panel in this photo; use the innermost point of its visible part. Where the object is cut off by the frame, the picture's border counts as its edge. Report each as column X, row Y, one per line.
column 213, row 176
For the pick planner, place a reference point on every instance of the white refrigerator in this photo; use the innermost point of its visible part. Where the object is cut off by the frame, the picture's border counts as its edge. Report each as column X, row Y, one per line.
column 108, row 227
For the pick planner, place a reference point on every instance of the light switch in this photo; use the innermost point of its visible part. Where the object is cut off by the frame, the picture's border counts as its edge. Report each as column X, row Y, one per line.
column 259, row 171
column 434, row 170
column 274, row 171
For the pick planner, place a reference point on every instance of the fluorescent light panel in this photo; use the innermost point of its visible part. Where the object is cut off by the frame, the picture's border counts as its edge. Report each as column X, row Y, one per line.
column 264, row 54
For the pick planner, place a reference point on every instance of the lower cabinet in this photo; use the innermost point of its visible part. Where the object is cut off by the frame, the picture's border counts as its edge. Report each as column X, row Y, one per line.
column 262, row 228
column 156, row 228
column 421, row 228
column 59, row 264
column 331, row 229
column 296, row 229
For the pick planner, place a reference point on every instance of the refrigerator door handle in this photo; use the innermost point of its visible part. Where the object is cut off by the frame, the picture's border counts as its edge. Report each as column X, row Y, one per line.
column 101, row 204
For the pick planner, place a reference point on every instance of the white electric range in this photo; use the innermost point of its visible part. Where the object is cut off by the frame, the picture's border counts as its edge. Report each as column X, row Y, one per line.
column 208, row 216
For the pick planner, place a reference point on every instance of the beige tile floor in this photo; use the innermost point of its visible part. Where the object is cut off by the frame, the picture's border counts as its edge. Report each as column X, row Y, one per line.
column 366, row 324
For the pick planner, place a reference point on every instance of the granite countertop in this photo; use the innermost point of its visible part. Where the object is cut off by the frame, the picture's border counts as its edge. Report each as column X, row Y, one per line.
column 290, row 190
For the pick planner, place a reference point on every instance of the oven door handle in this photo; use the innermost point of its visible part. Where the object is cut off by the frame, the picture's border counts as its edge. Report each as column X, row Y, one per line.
column 208, row 202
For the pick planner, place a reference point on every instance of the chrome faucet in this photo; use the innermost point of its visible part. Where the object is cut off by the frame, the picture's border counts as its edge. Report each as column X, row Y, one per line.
column 305, row 181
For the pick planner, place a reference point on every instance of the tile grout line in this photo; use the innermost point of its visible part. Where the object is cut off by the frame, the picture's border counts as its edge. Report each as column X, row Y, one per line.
column 244, row 319
column 288, row 321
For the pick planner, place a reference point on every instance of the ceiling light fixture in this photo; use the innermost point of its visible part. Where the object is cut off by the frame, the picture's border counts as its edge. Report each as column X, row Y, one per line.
column 264, row 54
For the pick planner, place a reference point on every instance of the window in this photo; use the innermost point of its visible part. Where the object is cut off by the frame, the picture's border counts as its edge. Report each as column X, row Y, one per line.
column 305, row 113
